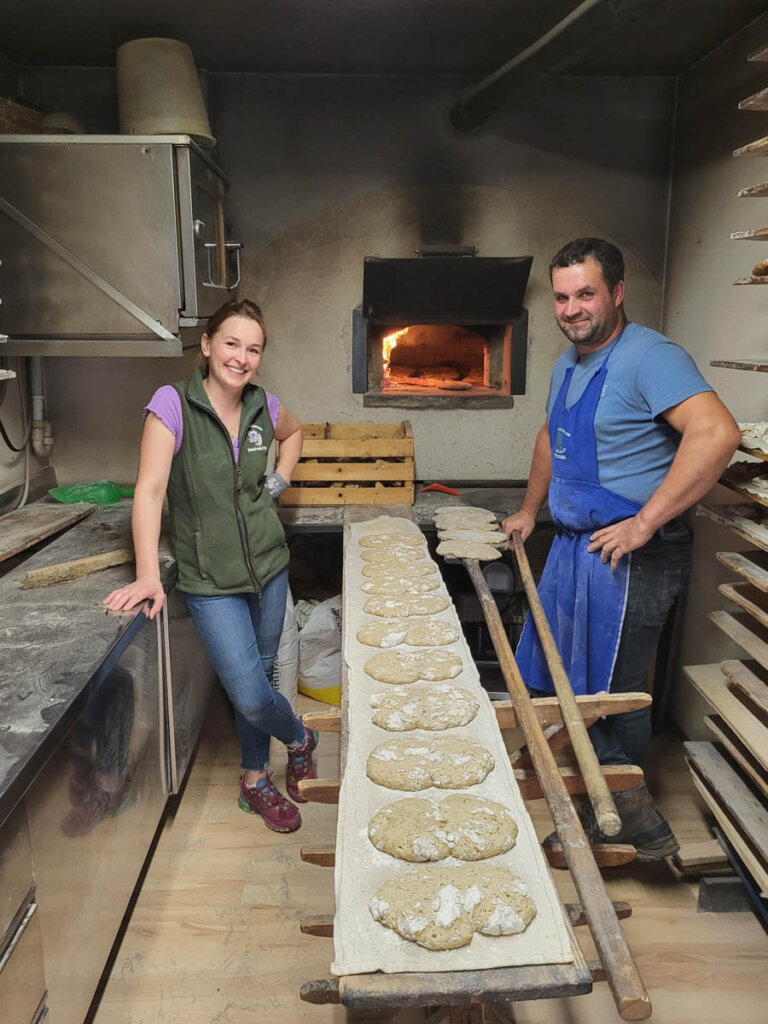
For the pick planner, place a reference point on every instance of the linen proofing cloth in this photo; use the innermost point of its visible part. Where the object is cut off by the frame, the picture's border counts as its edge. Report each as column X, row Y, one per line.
column 583, row 598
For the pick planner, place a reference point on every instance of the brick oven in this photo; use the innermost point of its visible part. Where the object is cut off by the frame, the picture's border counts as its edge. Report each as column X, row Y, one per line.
column 444, row 329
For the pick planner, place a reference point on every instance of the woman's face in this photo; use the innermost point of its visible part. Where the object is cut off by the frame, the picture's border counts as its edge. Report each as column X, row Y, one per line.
column 234, row 352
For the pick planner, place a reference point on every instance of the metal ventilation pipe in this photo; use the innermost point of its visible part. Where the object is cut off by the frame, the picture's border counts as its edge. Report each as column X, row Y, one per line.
column 41, row 438
column 569, row 39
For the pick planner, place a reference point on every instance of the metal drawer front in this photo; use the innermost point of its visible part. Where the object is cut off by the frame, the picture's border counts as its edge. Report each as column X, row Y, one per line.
column 22, row 981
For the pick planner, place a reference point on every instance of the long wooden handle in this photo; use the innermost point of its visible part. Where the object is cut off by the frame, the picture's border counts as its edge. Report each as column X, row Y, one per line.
column 597, row 789
column 621, row 970
column 73, row 570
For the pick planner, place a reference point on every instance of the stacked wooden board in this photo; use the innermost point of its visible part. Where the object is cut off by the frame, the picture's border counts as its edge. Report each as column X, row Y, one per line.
column 362, row 943
column 354, row 464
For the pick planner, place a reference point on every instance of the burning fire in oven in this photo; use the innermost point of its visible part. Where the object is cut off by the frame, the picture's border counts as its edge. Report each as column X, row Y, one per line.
column 434, row 357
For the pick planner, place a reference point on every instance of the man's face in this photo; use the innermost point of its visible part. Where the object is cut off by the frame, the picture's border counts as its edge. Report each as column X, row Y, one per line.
column 586, row 310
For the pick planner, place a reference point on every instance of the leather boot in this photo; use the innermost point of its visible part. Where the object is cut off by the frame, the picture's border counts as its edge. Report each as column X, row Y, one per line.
column 642, row 825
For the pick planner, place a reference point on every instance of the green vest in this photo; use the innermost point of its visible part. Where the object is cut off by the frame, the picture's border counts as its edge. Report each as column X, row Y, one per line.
column 226, row 534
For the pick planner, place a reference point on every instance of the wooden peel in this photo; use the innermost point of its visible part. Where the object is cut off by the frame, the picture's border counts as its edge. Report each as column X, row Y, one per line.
column 75, row 569
column 621, row 971
column 597, row 788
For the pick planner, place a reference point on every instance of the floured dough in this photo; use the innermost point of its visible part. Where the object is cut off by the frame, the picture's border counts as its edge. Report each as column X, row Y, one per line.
column 400, row 586
column 397, row 568
column 429, row 604
column 464, row 514
column 446, row 762
column 384, row 633
column 394, row 553
column 495, row 538
column 430, row 633
column 383, row 540
column 443, row 907
column 462, row 826
column 467, row 549
column 436, row 707
column 406, row 667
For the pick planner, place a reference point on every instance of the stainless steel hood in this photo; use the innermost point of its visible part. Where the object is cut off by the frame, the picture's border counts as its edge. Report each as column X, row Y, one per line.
column 110, row 244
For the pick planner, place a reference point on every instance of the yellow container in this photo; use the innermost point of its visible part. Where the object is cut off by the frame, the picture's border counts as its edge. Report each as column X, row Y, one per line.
column 158, row 91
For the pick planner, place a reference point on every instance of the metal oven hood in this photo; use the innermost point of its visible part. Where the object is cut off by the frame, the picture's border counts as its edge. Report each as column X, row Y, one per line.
column 110, row 245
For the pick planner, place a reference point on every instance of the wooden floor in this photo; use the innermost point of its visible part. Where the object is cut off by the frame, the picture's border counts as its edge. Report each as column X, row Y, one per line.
column 214, row 937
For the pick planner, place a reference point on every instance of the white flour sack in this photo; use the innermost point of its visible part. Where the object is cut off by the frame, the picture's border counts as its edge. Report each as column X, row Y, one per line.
column 320, row 652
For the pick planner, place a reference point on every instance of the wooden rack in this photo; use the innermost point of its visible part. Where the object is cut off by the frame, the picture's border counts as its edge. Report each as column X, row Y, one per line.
column 736, row 787
column 474, row 997
column 758, row 101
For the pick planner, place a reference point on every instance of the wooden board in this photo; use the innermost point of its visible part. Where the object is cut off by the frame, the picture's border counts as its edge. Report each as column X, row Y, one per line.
column 756, row 453
column 750, row 235
column 733, row 804
column 752, row 568
column 376, row 495
column 742, row 364
column 748, row 687
column 757, row 101
column 757, row 148
column 27, row 526
column 754, row 646
column 751, row 191
column 749, row 598
column 738, row 751
column 712, row 685
column 734, row 518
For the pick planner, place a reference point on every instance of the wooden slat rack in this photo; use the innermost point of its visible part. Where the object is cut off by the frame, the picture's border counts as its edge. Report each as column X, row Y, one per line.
column 475, row 997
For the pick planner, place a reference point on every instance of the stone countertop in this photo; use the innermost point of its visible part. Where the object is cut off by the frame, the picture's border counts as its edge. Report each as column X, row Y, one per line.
column 52, row 640
column 501, row 500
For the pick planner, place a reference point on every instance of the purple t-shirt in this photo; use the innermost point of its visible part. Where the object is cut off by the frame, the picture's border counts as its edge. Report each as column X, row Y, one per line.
column 166, row 405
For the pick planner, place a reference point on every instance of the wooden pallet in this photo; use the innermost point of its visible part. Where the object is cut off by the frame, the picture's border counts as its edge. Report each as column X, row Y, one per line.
column 354, row 464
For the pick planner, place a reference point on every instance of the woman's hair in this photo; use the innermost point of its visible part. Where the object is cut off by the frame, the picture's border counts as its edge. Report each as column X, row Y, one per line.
column 244, row 308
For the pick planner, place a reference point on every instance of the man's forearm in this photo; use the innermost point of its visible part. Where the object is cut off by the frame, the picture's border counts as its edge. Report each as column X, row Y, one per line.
column 539, row 474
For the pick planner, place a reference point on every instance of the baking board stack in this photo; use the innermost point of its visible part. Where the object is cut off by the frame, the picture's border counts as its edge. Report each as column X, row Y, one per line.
column 361, row 943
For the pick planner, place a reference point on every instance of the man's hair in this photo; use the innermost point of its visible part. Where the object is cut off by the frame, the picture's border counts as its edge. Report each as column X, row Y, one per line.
column 605, row 253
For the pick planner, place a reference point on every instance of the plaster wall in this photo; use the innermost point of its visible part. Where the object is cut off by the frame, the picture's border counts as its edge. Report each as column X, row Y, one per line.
column 327, row 170
column 702, row 308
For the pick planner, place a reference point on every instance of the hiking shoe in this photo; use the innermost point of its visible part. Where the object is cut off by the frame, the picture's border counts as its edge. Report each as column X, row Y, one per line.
column 266, row 799
column 300, row 766
column 642, row 825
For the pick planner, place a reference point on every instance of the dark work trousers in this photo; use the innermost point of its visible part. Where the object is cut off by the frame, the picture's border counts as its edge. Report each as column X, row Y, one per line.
column 658, row 576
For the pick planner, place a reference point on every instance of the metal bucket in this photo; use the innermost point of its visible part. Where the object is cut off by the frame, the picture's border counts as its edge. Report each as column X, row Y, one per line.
column 158, row 91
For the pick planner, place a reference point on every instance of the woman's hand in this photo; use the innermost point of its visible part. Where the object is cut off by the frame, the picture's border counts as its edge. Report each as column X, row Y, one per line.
column 125, row 598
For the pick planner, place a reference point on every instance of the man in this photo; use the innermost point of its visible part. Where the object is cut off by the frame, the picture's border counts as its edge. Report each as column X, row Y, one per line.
column 634, row 436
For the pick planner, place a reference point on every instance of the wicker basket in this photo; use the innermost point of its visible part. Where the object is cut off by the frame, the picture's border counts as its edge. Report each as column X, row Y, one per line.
column 18, row 120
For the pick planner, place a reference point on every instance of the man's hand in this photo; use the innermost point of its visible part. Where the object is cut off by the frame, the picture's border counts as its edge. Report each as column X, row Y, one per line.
column 619, row 539
column 522, row 521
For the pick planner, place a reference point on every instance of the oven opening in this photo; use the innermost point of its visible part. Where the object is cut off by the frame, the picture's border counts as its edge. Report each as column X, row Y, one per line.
column 421, row 358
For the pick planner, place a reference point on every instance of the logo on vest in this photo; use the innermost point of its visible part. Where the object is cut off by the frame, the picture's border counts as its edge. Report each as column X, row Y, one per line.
column 560, row 451
column 255, row 440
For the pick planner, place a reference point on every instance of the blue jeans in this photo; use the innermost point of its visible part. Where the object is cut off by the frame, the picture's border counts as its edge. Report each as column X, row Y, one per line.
column 658, row 577
column 241, row 633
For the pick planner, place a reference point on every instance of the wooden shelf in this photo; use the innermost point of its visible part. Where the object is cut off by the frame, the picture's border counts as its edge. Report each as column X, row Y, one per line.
column 759, row 364
column 753, row 191
column 712, row 685
column 754, row 235
column 748, row 687
column 734, row 519
column 752, row 279
column 756, row 453
column 748, row 598
column 738, row 751
column 757, row 148
column 754, row 569
column 761, row 54
column 755, row 647
column 757, row 101
column 745, row 494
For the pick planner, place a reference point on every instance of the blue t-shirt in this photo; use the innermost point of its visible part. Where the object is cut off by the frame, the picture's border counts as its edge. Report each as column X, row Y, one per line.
column 647, row 375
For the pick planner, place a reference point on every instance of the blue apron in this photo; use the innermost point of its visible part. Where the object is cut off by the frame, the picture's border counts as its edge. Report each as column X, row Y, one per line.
column 583, row 598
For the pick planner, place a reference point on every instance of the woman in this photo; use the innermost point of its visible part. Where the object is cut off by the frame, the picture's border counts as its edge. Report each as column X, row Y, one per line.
column 205, row 444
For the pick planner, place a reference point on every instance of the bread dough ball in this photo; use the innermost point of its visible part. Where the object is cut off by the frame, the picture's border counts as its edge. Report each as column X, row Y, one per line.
column 436, row 707
column 430, row 633
column 463, row 826
column 383, row 633
column 429, row 604
column 467, row 549
column 400, row 586
column 383, row 540
column 442, row 907
column 405, row 667
column 396, row 569
column 446, row 762
column 392, row 552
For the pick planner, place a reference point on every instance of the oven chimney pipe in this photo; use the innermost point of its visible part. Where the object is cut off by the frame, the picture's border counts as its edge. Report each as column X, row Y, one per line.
column 586, row 25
